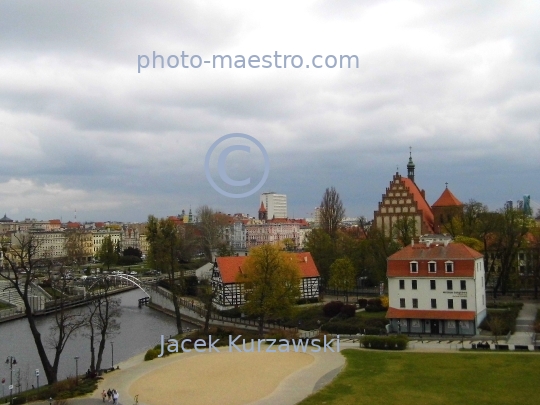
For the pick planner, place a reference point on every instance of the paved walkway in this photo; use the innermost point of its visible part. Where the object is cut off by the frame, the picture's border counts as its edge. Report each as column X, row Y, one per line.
column 524, row 325
column 290, row 391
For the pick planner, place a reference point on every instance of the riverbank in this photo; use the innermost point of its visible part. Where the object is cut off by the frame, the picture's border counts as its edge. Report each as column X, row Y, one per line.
column 68, row 304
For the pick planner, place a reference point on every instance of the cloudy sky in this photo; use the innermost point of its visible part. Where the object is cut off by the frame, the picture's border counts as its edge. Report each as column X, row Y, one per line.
column 82, row 130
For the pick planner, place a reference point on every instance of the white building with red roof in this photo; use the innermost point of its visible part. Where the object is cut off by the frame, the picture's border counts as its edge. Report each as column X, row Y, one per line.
column 229, row 293
column 436, row 288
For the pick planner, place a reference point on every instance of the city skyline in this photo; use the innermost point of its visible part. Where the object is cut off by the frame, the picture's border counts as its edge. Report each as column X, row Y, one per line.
column 82, row 130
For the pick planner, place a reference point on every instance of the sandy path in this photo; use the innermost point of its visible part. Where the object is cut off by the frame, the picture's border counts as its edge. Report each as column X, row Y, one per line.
column 218, row 378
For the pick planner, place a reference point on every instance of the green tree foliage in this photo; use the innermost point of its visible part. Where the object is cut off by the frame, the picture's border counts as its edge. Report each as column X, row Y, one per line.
column 404, row 230
column 323, row 250
column 473, row 243
column 165, row 247
column 131, row 251
column 342, row 275
column 107, row 252
column 271, row 280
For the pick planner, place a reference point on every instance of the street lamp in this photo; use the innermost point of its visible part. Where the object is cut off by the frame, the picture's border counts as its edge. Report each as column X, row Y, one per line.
column 50, row 400
column 112, row 355
column 76, row 370
column 11, row 361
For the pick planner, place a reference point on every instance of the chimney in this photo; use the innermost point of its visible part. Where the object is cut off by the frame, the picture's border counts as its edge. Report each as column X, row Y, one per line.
column 446, row 242
column 428, row 243
column 412, row 242
column 305, row 259
column 423, row 192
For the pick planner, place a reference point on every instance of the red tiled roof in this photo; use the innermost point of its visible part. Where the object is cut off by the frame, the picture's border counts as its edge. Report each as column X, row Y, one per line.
column 421, row 201
column 54, row 221
column 430, row 314
column 229, row 267
column 421, row 251
column 447, row 199
column 461, row 255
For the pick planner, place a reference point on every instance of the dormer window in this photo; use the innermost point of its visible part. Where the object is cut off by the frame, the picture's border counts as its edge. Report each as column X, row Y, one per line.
column 414, row 267
column 432, row 266
column 449, row 267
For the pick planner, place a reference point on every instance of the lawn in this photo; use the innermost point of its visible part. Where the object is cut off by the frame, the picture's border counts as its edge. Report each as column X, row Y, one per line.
column 373, row 377
column 5, row 305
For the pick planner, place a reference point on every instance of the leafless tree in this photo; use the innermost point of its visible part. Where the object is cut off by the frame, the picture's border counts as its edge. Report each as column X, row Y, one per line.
column 331, row 211
column 21, row 255
column 211, row 224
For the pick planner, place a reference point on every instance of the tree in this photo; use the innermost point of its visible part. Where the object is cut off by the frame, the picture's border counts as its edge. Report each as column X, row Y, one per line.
column 102, row 319
column 131, row 251
column 20, row 257
column 320, row 245
column 207, row 294
column 331, row 211
column 289, row 245
column 107, row 252
column 224, row 250
column 74, row 246
column 271, row 281
column 211, row 226
column 343, row 276
column 473, row 243
column 164, row 254
column 404, row 230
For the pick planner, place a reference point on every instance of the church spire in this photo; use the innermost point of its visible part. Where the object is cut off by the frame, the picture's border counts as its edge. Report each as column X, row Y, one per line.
column 410, row 166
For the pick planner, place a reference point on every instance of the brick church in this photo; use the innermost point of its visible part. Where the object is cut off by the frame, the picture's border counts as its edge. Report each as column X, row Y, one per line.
column 404, row 199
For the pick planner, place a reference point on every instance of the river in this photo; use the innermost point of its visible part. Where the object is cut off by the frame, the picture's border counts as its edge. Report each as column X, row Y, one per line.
column 140, row 329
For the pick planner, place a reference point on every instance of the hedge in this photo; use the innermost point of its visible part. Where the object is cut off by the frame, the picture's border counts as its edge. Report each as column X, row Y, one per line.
column 362, row 302
column 333, row 308
column 398, row 342
column 348, row 310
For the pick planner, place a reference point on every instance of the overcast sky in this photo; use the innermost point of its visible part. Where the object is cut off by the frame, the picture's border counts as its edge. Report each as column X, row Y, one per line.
column 82, row 130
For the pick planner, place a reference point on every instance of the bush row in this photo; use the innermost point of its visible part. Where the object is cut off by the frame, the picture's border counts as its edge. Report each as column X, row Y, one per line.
column 398, row 342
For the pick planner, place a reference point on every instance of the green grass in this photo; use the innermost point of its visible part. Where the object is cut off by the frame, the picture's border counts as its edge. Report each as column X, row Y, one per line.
column 433, row 379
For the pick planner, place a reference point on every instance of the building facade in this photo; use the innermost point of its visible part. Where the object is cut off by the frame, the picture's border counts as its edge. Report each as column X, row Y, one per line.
column 275, row 205
column 229, row 293
column 436, row 289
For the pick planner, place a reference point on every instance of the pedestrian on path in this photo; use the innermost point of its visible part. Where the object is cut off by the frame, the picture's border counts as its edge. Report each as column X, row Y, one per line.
column 109, row 395
column 115, row 397
column 104, row 395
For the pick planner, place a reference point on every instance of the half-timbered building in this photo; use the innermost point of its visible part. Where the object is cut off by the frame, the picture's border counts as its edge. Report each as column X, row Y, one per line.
column 229, row 293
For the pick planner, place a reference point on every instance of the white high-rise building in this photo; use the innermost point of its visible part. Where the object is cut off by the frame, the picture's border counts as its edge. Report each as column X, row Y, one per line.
column 275, row 204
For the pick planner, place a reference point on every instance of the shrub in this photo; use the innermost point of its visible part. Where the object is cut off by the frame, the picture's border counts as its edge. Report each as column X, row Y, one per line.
column 128, row 260
column 348, row 310
column 375, row 302
column 375, row 308
column 333, row 308
column 303, row 301
column 362, row 302
column 398, row 342
column 151, row 354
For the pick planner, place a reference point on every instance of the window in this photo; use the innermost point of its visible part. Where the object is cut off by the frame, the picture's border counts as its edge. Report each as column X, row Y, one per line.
column 401, row 284
column 414, row 267
column 449, row 285
column 432, row 266
column 414, row 284
column 415, row 302
column 402, row 302
column 450, row 304
column 449, row 267
column 432, row 284
column 463, row 304
column 433, row 303
column 463, row 285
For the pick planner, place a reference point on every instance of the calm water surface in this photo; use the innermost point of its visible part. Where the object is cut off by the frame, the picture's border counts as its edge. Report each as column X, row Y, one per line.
column 140, row 329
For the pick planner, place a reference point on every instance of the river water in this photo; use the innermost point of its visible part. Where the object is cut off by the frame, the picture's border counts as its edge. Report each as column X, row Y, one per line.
column 140, row 329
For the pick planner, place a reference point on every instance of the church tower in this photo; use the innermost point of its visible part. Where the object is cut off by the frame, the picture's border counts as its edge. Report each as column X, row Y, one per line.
column 263, row 213
column 410, row 166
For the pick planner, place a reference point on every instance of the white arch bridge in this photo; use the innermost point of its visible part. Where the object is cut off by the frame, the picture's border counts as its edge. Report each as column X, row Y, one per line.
column 126, row 277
